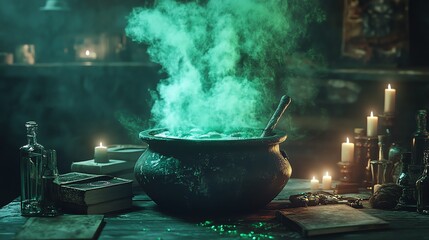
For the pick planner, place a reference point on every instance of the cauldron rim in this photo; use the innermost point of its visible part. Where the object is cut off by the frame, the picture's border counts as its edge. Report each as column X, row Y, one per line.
column 148, row 136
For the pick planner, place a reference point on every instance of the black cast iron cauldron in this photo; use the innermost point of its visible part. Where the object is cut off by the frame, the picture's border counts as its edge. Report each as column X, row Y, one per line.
column 212, row 175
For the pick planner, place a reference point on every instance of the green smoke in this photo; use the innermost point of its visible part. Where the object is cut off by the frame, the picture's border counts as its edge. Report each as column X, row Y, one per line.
column 222, row 58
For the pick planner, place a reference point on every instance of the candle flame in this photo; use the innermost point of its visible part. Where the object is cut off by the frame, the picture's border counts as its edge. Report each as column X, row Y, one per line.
column 327, row 174
column 101, row 144
column 314, row 178
column 388, row 86
column 87, row 52
column 372, row 114
column 347, row 139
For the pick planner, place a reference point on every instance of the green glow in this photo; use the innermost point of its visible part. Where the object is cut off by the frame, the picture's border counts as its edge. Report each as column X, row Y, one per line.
column 222, row 58
column 258, row 230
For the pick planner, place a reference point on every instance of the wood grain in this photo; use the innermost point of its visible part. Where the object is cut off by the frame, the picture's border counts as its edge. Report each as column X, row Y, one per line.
column 146, row 221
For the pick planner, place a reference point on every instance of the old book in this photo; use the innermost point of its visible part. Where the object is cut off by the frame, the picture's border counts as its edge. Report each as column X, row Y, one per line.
column 99, row 208
column 328, row 219
column 126, row 152
column 73, row 177
column 89, row 166
column 61, row 227
column 95, row 191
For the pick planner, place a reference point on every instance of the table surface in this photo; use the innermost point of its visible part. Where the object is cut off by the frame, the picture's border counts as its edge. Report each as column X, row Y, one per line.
column 146, row 221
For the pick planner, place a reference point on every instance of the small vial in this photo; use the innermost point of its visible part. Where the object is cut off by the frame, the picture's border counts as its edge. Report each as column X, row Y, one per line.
column 49, row 202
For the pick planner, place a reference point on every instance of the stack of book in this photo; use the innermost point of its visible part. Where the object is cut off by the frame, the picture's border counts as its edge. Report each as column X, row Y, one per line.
column 85, row 193
column 122, row 159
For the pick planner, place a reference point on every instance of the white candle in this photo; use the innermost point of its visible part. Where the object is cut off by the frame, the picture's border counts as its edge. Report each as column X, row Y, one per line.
column 314, row 183
column 347, row 151
column 100, row 154
column 326, row 181
column 371, row 125
column 88, row 54
column 389, row 99
column 376, row 187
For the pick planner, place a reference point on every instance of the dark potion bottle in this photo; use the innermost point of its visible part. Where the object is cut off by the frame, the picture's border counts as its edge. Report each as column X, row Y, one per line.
column 408, row 198
column 422, row 186
column 420, row 139
column 50, row 185
column 31, row 160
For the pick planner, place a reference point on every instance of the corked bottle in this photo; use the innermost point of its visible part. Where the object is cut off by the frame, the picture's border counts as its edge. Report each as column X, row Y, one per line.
column 422, row 186
column 31, row 160
column 420, row 139
column 408, row 197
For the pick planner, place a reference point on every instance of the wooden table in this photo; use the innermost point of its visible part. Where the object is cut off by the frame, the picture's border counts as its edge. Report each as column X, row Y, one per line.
column 146, row 221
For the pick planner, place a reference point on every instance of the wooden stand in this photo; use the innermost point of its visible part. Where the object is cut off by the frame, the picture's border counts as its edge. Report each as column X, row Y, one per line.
column 347, row 179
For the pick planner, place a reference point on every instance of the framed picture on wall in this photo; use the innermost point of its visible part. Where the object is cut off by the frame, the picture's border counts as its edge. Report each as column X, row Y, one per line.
column 375, row 32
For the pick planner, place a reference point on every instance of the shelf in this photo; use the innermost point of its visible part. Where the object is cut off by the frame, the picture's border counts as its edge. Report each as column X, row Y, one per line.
column 362, row 74
column 75, row 68
column 50, row 69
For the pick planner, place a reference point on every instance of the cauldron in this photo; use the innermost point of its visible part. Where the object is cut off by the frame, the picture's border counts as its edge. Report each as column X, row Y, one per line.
column 212, row 175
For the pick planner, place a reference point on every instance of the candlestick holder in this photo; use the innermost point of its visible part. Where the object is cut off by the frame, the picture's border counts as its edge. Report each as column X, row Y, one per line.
column 360, row 159
column 387, row 124
column 379, row 172
column 348, row 176
column 371, row 153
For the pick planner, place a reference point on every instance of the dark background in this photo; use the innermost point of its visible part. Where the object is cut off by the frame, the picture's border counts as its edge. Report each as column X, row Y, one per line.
column 77, row 105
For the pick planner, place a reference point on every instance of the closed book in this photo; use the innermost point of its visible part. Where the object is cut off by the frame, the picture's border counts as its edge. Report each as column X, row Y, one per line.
column 90, row 166
column 99, row 208
column 329, row 219
column 96, row 191
column 74, row 177
column 126, row 152
column 61, row 227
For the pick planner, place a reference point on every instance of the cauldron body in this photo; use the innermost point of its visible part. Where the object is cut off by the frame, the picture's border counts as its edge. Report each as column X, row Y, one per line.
column 212, row 175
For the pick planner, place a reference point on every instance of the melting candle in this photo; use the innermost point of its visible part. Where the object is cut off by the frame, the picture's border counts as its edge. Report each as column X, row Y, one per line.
column 326, row 181
column 100, row 154
column 389, row 99
column 371, row 125
column 347, row 151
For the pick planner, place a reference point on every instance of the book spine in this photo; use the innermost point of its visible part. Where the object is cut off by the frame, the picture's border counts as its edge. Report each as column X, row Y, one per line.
column 72, row 195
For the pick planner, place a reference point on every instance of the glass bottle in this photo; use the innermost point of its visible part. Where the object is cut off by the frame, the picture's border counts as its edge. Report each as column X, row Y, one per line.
column 408, row 197
column 31, row 159
column 50, row 185
column 404, row 178
column 422, row 186
column 420, row 139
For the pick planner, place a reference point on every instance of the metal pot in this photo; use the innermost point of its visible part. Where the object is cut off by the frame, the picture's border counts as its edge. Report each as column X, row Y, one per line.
column 212, row 175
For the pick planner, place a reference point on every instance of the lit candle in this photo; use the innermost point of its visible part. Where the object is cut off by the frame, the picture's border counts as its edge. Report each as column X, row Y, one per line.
column 326, row 181
column 371, row 125
column 314, row 183
column 88, row 54
column 100, row 154
column 376, row 187
column 347, row 151
column 389, row 99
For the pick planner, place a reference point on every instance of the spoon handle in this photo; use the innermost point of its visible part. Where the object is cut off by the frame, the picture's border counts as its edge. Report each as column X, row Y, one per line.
column 283, row 104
